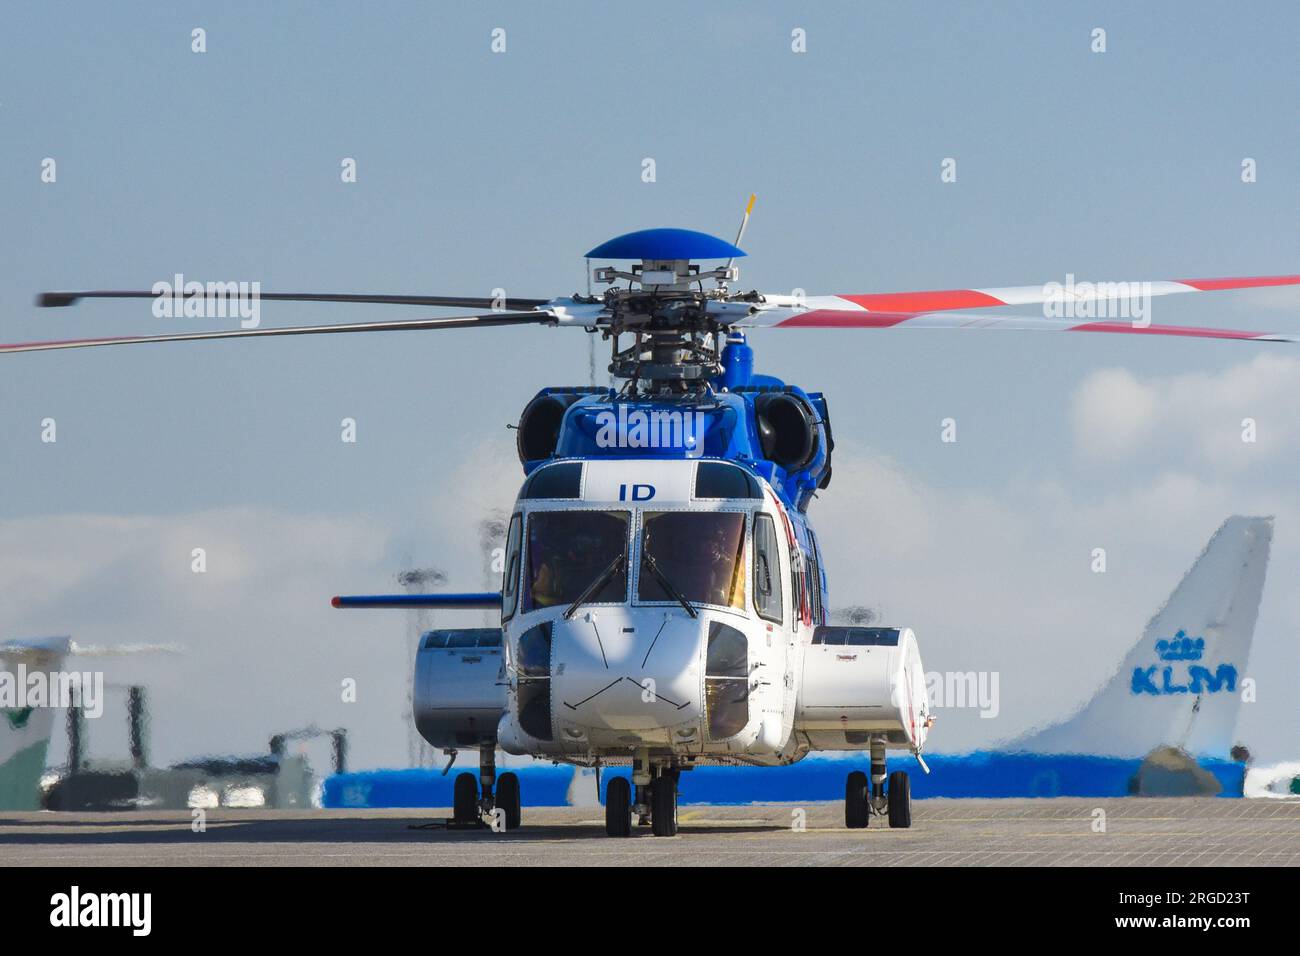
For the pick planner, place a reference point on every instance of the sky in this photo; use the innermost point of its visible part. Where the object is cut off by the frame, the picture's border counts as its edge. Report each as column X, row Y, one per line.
column 479, row 170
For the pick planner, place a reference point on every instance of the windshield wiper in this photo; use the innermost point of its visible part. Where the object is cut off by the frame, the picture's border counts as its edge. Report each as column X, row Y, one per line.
column 648, row 560
column 596, row 586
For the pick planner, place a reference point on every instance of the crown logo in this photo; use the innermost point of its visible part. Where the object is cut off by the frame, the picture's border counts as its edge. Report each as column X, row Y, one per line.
column 1181, row 648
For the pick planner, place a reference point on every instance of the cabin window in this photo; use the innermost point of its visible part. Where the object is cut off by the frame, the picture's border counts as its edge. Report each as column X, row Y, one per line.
column 701, row 553
column 767, row 570
column 510, row 580
column 568, row 550
column 857, row 636
column 461, row 638
column 798, row 593
column 814, row 565
column 726, row 681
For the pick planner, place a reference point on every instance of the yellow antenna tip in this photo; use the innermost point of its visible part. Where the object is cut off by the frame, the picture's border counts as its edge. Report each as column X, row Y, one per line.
column 750, row 207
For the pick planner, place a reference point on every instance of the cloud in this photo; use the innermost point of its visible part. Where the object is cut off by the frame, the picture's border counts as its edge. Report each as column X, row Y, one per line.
column 1190, row 419
column 481, row 487
column 1113, row 413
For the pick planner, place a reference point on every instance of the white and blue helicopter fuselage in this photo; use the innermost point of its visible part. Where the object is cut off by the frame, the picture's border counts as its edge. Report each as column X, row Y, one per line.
column 668, row 613
column 634, row 670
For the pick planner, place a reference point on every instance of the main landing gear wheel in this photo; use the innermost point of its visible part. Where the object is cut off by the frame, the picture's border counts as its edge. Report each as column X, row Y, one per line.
column 465, row 799
column 663, row 804
column 618, row 807
column 508, row 799
column 857, row 811
column 900, row 799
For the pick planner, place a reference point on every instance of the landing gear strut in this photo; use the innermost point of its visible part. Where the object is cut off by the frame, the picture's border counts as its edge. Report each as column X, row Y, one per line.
column 641, row 777
column 864, row 797
column 487, row 778
column 877, row 775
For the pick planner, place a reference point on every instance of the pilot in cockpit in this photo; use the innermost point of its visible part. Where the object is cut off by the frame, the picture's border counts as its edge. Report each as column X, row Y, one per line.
column 565, row 570
column 717, row 566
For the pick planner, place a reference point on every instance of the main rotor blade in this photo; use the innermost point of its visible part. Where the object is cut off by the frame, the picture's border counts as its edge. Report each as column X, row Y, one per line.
column 460, row 322
column 782, row 318
column 48, row 300
column 953, row 299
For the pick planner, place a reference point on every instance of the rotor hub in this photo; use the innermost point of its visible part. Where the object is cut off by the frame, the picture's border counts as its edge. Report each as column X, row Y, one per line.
column 665, row 308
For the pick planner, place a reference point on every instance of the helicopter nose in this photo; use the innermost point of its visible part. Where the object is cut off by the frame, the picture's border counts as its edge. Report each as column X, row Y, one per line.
column 627, row 676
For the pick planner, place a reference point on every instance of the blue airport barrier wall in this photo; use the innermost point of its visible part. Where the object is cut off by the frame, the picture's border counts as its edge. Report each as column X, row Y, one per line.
column 981, row 774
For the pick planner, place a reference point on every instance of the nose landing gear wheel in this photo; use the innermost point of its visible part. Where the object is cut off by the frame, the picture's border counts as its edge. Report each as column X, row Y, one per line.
column 618, row 808
column 465, row 800
column 508, row 799
column 856, row 809
column 900, row 799
column 663, row 804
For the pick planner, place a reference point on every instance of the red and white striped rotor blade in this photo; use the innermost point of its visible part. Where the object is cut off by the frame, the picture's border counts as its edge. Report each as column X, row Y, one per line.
column 784, row 318
column 1070, row 291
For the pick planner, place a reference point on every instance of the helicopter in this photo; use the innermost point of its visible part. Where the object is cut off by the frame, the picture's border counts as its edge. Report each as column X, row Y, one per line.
column 664, row 600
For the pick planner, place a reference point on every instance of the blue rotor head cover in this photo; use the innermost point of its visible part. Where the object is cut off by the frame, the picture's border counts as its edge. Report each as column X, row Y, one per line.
column 666, row 244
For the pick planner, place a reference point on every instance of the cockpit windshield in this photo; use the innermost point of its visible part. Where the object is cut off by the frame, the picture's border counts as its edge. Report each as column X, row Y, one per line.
column 568, row 550
column 700, row 553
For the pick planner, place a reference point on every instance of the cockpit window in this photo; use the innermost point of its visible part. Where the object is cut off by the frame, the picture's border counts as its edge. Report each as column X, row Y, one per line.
column 700, row 552
column 510, row 577
column 568, row 550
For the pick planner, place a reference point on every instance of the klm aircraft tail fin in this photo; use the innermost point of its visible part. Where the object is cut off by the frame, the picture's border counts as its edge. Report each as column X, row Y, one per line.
column 1180, row 685
column 25, row 731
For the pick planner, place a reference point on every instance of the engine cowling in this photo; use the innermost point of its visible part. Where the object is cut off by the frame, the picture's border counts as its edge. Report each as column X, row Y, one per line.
column 543, row 418
column 860, row 682
column 787, row 429
column 459, row 692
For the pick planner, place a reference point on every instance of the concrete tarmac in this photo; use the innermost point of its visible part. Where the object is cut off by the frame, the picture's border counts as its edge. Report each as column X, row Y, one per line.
column 1061, row 832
